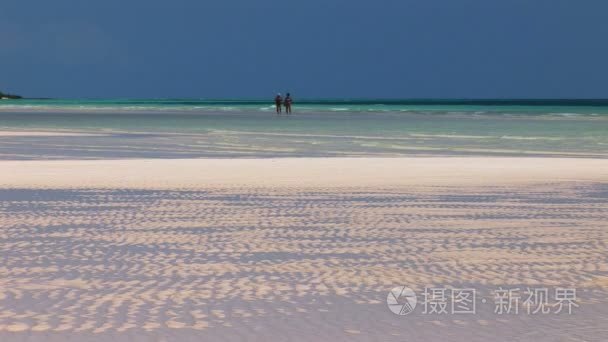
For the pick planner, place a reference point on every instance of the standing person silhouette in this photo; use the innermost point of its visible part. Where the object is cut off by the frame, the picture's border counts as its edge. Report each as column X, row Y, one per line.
column 287, row 103
column 278, row 100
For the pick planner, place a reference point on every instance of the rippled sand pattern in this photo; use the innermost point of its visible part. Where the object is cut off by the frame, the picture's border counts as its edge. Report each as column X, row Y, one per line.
column 239, row 263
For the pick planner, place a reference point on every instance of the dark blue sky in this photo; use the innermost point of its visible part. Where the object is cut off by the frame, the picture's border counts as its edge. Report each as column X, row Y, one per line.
column 314, row 48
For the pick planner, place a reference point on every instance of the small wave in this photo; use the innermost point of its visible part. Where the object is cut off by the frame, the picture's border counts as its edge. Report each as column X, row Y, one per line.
column 511, row 137
column 577, row 115
column 566, row 114
column 192, row 106
column 452, row 136
column 308, row 135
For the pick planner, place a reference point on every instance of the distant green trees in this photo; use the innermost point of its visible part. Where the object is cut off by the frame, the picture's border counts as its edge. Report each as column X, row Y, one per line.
column 8, row 96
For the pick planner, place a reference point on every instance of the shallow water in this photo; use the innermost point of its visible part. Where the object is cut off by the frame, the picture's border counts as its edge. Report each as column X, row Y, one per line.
column 250, row 128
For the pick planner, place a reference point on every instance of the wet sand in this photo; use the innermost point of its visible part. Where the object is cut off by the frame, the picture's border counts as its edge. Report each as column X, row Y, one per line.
column 297, row 249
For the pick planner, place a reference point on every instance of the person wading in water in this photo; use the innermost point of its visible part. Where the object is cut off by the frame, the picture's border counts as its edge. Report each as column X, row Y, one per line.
column 278, row 100
column 287, row 103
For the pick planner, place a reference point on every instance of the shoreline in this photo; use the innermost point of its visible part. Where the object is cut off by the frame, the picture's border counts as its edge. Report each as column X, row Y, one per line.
column 332, row 172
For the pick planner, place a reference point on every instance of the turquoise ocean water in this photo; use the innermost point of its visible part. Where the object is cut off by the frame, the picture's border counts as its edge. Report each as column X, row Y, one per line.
column 247, row 128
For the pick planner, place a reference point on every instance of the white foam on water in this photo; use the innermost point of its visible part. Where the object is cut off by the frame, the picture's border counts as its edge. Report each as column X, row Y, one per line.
column 510, row 137
column 452, row 136
column 309, row 135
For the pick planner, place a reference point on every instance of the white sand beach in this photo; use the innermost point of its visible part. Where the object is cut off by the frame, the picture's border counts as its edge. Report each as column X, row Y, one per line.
column 301, row 249
column 299, row 172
